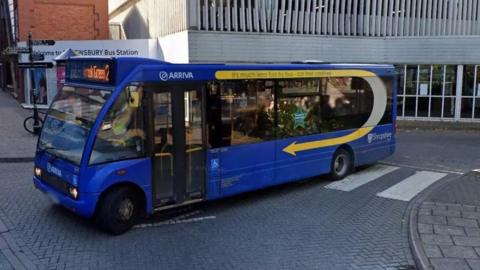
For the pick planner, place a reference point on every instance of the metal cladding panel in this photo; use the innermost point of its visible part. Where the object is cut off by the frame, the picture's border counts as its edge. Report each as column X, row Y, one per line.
column 341, row 17
column 147, row 18
column 153, row 18
column 280, row 48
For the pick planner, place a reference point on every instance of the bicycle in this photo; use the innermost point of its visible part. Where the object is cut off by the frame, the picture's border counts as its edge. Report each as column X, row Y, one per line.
column 33, row 124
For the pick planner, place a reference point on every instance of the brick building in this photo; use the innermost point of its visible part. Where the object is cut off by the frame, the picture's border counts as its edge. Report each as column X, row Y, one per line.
column 58, row 20
column 63, row 19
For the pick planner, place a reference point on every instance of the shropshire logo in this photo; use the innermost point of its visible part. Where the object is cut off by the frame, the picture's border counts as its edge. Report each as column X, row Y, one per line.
column 177, row 75
column 373, row 137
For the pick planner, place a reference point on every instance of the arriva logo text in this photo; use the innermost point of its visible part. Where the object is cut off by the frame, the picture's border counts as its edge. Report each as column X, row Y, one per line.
column 177, row 75
column 373, row 137
column 54, row 170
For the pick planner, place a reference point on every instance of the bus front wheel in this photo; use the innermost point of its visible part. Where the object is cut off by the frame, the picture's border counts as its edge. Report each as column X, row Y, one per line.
column 118, row 210
column 342, row 164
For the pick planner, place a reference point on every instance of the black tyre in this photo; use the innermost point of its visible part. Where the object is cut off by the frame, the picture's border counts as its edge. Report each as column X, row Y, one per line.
column 118, row 210
column 342, row 164
column 28, row 124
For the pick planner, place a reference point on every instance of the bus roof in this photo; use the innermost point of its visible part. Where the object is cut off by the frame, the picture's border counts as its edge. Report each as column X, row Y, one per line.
column 108, row 71
column 295, row 65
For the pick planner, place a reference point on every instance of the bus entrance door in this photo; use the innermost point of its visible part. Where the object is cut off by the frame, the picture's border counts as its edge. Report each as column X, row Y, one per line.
column 178, row 140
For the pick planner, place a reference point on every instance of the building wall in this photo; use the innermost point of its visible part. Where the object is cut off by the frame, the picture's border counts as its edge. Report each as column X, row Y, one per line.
column 174, row 48
column 267, row 48
column 63, row 19
column 339, row 17
column 150, row 18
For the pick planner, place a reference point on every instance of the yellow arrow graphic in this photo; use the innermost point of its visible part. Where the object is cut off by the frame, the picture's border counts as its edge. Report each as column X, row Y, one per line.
column 295, row 147
column 376, row 84
column 379, row 106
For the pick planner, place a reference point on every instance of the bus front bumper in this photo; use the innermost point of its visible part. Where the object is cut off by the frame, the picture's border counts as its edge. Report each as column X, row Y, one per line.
column 84, row 206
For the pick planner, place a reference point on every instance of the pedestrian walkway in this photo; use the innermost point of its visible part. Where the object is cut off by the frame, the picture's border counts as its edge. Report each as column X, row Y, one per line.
column 445, row 226
column 411, row 186
column 361, row 178
column 15, row 144
column 404, row 190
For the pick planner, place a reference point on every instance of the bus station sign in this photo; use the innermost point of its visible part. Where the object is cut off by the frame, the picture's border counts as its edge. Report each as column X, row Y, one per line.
column 97, row 48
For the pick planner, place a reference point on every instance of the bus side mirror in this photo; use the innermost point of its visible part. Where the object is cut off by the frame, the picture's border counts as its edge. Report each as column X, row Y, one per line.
column 134, row 99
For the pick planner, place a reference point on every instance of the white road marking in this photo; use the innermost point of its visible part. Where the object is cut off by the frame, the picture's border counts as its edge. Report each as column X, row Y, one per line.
column 411, row 186
column 418, row 168
column 361, row 178
column 189, row 214
column 173, row 222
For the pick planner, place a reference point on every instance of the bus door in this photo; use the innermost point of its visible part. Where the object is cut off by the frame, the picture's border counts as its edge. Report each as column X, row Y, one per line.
column 178, row 143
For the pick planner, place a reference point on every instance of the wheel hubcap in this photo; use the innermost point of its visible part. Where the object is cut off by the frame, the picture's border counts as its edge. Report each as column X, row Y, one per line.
column 339, row 165
column 125, row 209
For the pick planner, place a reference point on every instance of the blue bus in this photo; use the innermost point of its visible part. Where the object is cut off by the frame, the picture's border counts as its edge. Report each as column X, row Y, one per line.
column 126, row 137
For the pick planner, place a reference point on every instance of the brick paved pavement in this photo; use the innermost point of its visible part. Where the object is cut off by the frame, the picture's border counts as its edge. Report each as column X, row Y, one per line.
column 15, row 142
column 447, row 230
column 300, row 226
column 297, row 226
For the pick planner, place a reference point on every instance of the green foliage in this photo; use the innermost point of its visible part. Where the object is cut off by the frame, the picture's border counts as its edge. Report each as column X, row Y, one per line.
column 286, row 120
column 314, row 122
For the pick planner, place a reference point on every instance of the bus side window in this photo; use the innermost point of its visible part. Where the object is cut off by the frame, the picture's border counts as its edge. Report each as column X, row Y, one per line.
column 215, row 128
column 301, row 109
column 240, row 112
column 312, row 106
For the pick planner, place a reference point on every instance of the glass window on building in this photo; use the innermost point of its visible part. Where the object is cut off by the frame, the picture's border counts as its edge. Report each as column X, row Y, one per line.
column 423, row 105
column 427, row 91
column 467, row 91
column 477, row 94
column 437, row 91
column 401, row 89
column 450, row 91
column 411, row 82
column 411, row 90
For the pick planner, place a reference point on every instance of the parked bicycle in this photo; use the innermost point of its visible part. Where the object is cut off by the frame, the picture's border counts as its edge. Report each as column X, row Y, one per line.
column 33, row 124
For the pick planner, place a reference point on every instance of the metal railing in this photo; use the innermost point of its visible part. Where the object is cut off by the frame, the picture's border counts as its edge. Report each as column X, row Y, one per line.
column 370, row 18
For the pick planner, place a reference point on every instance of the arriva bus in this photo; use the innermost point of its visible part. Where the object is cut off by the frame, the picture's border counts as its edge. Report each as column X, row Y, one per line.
column 126, row 137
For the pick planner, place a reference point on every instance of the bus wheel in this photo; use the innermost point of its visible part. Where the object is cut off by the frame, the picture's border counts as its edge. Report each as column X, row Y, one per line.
column 342, row 164
column 118, row 211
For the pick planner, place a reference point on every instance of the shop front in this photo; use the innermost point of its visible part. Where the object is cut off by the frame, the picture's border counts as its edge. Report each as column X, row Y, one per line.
column 439, row 92
column 46, row 80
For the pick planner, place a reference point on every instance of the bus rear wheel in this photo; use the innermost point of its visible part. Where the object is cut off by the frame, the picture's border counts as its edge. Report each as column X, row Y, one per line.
column 342, row 164
column 118, row 211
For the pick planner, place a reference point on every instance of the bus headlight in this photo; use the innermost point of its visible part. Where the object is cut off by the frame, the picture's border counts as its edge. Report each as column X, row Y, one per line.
column 73, row 192
column 38, row 172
